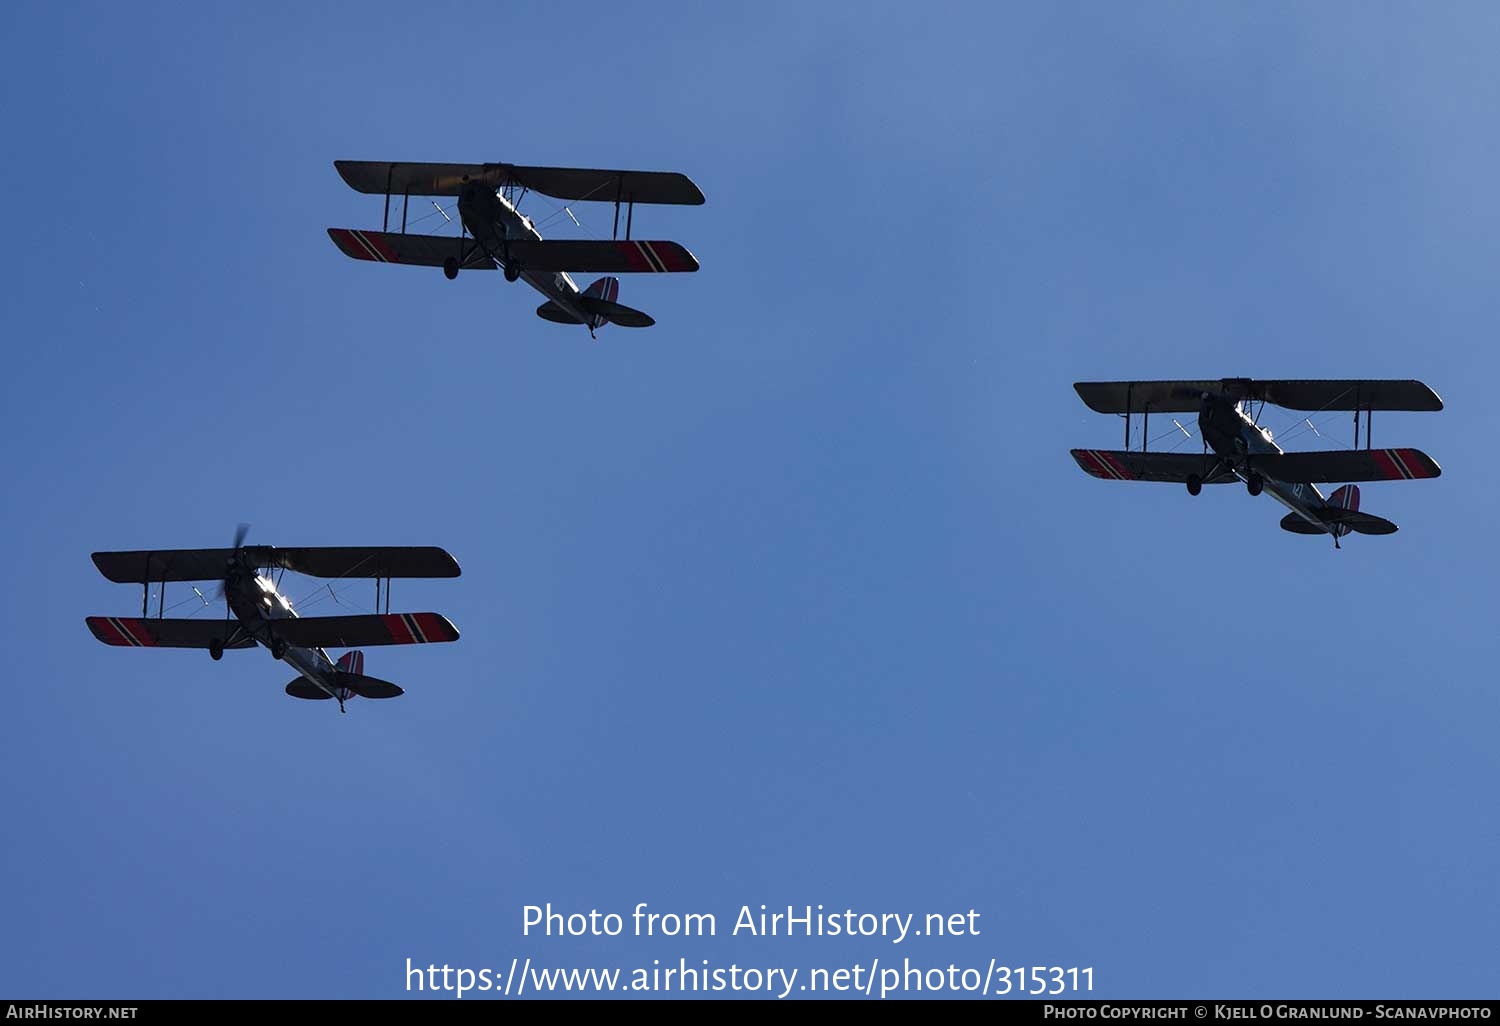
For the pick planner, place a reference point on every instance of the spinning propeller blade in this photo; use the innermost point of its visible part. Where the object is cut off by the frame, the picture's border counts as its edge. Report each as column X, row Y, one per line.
column 239, row 543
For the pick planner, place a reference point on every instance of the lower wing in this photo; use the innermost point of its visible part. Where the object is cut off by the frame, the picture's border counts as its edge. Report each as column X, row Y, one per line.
column 418, row 250
column 362, row 631
column 1348, row 465
column 154, row 632
column 1176, row 467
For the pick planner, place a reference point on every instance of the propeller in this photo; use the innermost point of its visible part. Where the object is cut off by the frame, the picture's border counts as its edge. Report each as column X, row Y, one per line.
column 239, row 543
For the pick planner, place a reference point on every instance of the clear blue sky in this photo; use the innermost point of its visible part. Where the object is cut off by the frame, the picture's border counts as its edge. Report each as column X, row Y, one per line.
column 796, row 597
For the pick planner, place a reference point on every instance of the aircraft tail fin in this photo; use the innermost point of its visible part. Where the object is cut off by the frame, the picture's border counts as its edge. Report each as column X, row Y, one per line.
column 599, row 302
column 1342, row 517
column 606, row 288
column 366, row 687
column 348, row 680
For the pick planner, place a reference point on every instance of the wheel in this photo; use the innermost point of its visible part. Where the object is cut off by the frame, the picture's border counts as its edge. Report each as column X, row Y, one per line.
column 278, row 648
column 1254, row 483
column 512, row 272
column 450, row 268
column 1195, row 484
column 215, row 649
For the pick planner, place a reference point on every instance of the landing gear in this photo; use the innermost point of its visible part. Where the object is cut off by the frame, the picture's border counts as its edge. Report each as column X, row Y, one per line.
column 450, row 268
column 1254, row 483
column 278, row 648
column 215, row 649
column 512, row 272
column 1195, row 484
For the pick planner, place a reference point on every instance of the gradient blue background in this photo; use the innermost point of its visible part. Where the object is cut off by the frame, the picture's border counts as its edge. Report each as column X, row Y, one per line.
column 796, row 597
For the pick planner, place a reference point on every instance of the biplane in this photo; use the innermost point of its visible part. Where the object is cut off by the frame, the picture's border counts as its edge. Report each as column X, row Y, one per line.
column 256, row 612
column 1237, row 448
column 494, row 233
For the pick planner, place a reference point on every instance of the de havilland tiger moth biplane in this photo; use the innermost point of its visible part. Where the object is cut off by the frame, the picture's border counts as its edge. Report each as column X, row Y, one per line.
column 494, row 233
column 1237, row 448
column 257, row 612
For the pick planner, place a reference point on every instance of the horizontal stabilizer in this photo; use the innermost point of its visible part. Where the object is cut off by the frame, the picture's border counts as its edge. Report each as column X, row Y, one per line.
column 1298, row 524
column 616, row 313
column 367, row 687
column 154, row 632
column 1349, row 520
column 550, row 311
column 353, row 683
column 1364, row 523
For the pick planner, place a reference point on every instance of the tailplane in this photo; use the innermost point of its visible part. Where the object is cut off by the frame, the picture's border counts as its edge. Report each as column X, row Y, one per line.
column 1342, row 517
column 599, row 301
column 347, row 680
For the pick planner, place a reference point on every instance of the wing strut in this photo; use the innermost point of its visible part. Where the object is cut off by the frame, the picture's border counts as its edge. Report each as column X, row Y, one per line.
column 629, row 209
column 1369, row 416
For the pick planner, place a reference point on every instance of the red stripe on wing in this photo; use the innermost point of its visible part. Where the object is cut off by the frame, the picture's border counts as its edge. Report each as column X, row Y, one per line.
column 434, row 627
column 351, row 246
column 381, row 246
column 1386, row 465
column 1118, row 467
column 634, row 257
column 396, row 624
column 1095, row 465
column 138, row 631
column 106, row 631
column 1416, row 467
column 672, row 258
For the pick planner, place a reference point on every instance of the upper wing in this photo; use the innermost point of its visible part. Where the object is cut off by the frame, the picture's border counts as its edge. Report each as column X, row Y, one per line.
column 567, row 183
column 1135, row 396
column 576, row 183
column 383, row 176
column 358, row 631
column 607, row 257
column 1115, row 465
column 365, row 561
column 164, row 565
column 153, row 632
column 1321, row 394
column 209, row 564
column 1348, row 465
column 1330, row 394
column 400, row 248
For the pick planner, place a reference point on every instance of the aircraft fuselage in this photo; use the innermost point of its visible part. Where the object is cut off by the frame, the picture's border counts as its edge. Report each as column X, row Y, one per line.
column 258, row 605
column 1236, row 439
column 492, row 219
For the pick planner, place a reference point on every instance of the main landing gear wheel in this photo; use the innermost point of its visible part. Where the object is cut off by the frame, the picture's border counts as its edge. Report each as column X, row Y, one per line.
column 1254, row 483
column 450, row 268
column 215, row 649
column 278, row 648
column 512, row 272
column 1195, row 484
